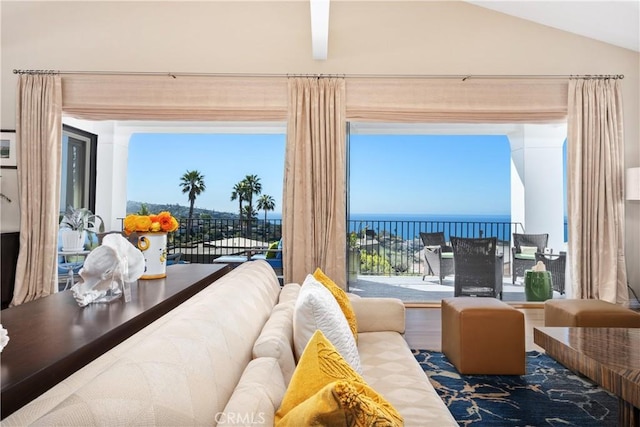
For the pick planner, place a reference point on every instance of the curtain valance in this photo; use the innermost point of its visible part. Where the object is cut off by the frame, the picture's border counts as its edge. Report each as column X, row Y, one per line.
column 456, row 101
column 164, row 97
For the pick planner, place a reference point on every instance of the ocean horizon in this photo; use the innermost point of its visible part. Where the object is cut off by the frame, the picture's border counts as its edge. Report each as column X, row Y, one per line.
column 409, row 225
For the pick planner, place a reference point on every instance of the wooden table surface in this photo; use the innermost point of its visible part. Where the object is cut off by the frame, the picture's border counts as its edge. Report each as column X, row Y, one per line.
column 53, row 337
column 610, row 357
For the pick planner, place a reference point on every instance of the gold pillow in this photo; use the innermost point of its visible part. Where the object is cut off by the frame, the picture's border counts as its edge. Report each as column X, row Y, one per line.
column 342, row 403
column 320, row 365
column 343, row 300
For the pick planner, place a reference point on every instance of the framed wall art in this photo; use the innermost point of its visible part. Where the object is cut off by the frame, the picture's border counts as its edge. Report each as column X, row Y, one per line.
column 8, row 149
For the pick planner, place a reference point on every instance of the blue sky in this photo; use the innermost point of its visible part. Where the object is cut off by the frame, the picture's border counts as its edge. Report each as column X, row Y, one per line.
column 389, row 173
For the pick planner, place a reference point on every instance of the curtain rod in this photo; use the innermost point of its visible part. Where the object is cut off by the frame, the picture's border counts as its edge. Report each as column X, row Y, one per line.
column 463, row 77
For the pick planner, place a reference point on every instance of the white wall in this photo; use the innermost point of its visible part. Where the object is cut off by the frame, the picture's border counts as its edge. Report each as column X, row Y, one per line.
column 377, row 37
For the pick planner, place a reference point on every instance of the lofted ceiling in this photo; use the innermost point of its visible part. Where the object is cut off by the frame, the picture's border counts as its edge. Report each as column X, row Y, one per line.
column 616, row 22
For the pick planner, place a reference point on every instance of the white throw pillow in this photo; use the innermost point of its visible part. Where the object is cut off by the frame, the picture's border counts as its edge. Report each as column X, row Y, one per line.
column 317, row 309
column 528, row 250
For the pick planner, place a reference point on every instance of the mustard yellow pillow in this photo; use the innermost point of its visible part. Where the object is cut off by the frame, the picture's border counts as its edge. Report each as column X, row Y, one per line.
column 343, row 300
column 320, row 365
column 342, row 403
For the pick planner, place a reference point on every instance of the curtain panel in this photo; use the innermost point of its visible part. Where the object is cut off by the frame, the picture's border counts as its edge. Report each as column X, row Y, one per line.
column 595, row 190
column 164, row 97
column 314, row 204
column 411, row 100
column 39, row 147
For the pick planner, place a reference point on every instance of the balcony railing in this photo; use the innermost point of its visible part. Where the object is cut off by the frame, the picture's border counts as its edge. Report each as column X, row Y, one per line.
column 384, row 247
column 394, row 247
column 201, row 240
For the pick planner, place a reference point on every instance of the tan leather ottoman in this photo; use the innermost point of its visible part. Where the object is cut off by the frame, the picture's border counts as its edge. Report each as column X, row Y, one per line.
column 483, row 336
column 590, row 313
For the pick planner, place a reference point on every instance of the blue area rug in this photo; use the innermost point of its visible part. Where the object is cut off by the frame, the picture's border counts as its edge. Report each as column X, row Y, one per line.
column 548, row 395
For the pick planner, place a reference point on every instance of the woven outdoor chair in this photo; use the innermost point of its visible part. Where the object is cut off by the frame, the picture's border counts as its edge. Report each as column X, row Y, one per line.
column 478, row 269
column 437, row 254
column 556, row 264
column 524, row 260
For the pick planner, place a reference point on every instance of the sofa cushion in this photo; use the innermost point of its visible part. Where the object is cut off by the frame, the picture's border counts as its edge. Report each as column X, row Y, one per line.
column 342, row 299
column 391, row 369
column 276, row 339
column 289, row 293
column 321, row 365
column 317, row 309
column 256, row 397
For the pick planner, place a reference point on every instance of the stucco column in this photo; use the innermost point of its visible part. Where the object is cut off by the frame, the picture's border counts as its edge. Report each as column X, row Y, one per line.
column 537, row 180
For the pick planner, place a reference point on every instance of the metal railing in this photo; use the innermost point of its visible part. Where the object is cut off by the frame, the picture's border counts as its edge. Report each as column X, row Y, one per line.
column 394, row 247
column 201, row 240
column 380, row 247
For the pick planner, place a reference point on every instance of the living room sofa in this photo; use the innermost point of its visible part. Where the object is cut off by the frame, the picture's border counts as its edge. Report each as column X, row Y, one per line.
column 225, row 357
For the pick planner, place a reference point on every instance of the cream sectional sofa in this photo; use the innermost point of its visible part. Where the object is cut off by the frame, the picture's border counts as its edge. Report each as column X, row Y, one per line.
column 224, row 357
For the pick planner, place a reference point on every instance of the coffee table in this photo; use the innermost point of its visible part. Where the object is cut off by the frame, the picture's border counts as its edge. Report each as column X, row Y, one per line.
column 610, row 357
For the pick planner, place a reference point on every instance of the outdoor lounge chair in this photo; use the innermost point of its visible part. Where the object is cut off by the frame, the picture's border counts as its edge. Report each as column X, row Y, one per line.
column 478, row 269
column 437, row 254
column 272, row 255
column 556, row 264
column 524, row 251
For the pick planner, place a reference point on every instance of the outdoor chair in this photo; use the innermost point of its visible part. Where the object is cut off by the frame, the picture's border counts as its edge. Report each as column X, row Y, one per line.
column 556, row 264
column 273, row 256
column 524, row 251
column 478, row 269
column 437, row 254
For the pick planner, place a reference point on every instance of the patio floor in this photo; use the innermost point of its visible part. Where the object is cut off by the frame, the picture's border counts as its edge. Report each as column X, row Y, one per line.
column 414, row 289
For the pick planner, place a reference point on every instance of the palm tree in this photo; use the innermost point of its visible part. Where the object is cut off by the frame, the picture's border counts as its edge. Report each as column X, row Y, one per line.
column 192, row 182
column 252, row 186
column 238, row 193
column 266, row 203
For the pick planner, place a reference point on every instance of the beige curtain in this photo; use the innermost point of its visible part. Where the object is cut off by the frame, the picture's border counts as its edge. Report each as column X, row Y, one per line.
column 595, row 190
column 314, row 206
column 164, row 97
column 39, row 142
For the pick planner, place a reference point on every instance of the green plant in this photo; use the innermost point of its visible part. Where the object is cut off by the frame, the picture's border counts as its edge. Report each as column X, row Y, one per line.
column 82, row 219
column 353, row 240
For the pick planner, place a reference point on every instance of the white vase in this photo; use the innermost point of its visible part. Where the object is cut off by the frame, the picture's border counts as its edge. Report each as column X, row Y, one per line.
column 154, row 249
column 73, row 240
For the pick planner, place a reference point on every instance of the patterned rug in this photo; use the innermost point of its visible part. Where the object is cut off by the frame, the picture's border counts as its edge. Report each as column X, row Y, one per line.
column 548, row 395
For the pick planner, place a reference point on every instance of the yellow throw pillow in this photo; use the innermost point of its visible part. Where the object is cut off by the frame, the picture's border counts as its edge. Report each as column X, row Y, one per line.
column 343, row 300
column 321, row 364
column 342, row 403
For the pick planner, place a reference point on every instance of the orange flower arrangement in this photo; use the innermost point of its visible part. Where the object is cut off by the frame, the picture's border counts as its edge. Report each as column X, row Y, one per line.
column 162, row 222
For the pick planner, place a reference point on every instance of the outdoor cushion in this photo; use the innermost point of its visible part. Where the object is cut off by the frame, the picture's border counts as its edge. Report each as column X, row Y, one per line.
column 271, row 253
column 446, row 255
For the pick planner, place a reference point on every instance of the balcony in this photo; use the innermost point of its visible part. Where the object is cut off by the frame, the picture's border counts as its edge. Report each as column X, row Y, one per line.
column 391, row 261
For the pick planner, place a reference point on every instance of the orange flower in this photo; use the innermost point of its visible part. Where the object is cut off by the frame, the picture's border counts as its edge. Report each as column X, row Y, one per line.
column 163, row 221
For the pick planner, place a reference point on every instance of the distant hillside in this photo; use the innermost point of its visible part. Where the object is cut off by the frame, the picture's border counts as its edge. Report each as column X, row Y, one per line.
column 177, row 210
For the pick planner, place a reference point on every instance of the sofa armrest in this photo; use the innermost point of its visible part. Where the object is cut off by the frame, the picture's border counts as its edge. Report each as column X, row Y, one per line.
column 379, row 314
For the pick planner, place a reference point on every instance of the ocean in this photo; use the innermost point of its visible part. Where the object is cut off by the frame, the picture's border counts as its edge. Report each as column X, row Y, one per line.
column 409, row 226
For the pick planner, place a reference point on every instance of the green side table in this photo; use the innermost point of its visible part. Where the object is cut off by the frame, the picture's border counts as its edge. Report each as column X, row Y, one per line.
column 538, row 285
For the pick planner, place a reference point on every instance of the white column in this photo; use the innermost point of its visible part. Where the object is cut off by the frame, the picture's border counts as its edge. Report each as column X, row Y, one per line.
column 537, row 182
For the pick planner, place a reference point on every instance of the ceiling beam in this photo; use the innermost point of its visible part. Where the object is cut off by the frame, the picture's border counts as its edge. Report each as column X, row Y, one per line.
column 319, row 28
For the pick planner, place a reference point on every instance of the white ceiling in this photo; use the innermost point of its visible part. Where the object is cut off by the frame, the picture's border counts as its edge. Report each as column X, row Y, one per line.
column 616, row 22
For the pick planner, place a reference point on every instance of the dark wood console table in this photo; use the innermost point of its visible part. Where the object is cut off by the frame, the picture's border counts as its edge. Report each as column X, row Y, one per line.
column 53, row 337
column 610, row 357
